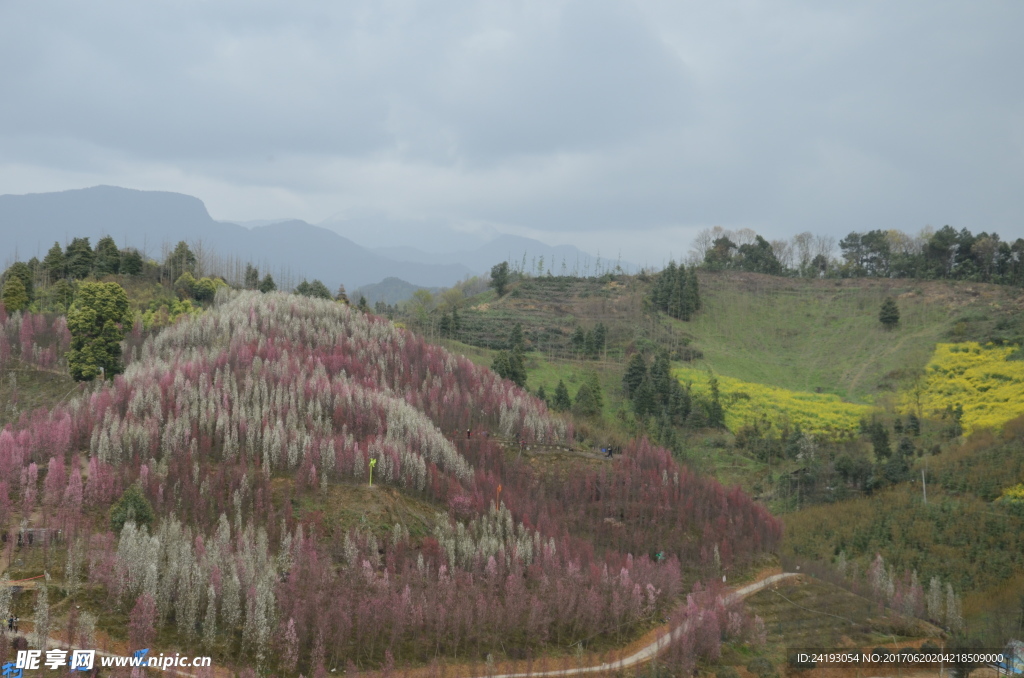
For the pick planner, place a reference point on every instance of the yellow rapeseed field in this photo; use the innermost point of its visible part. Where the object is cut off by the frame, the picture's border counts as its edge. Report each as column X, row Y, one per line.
column 979, row 378
column 748, row 403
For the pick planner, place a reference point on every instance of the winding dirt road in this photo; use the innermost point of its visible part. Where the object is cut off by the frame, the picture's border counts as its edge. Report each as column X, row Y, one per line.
column 652, row 650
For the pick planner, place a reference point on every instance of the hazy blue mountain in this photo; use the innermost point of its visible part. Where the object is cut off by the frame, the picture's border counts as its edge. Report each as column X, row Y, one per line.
column 517, row 250
column 405, row 253
column 430, row 235
column 256, row 223
column 141, row 218
column 29, row 225
column 389, row 290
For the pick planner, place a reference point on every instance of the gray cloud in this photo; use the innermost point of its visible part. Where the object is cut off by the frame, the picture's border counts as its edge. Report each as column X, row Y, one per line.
column 586, row 121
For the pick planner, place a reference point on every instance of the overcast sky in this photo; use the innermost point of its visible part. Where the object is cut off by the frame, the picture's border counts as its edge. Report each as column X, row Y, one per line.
column 619, row 126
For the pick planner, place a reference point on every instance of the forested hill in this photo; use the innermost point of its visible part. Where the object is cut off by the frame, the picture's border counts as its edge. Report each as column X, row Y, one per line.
column 201, row 494
column 149, row 220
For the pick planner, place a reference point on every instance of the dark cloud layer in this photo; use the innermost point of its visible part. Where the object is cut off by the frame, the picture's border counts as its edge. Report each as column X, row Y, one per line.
column 620, row 125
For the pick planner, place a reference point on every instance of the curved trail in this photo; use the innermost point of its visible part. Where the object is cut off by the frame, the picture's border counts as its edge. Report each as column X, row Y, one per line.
column 651, row 651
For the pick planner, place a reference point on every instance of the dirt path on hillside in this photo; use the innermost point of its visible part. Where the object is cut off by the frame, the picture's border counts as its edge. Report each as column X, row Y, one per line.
column 640, row 651
column 864, row 365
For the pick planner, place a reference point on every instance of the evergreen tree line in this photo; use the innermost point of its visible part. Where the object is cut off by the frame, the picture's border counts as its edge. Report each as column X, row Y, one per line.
column 946, row 254
column 510, row 363
column 676, row 292
column 590, row 343
column 657, row 396
column 588, row 402
column 52, row 284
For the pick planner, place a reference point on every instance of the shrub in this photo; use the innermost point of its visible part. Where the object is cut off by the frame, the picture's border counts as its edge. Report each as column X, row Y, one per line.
column 132, row 506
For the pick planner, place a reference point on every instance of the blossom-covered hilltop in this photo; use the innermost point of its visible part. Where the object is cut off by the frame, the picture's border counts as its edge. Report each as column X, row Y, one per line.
column 236, row 425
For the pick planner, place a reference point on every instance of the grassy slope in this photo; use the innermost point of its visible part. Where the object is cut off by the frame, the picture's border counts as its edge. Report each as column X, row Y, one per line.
column 808, row 334
column 24, row 388
column 791, row 333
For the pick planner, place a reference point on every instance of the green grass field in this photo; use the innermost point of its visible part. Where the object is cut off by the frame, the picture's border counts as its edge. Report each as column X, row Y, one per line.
column 805, row 336
column 797, row 334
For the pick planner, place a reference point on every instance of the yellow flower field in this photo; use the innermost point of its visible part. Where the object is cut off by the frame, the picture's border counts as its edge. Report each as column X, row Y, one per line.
column 747, row 402
column 1014, row 494
column 989, row 387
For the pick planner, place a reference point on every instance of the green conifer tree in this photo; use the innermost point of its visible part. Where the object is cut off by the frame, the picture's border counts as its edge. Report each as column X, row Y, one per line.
column 661, row 378
column 108, row 257
column 643, row 400
column 889, row 314
column 79, row 258
column 131, row 261
column 579, row 340
column 54, row 263
column 23, row 272
column 677, row 302
column 635, row 373
column 561, row 401
column 267, row 284
column 179, row 261
column 716, row 413
column 662, row 293
column 252, row 277
column 691, row 295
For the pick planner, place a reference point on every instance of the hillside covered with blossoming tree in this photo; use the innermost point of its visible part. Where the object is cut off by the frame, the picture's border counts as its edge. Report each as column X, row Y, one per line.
column 231, row 437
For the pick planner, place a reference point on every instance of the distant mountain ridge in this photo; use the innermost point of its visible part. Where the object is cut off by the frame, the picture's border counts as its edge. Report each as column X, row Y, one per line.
column 517, row 250
column 30, row 224
column 149, row 220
